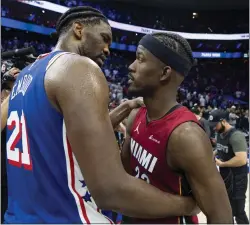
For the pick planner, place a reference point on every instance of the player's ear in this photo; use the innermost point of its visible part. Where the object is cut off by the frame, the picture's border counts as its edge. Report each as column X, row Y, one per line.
column 78, row 29
column 166, row 73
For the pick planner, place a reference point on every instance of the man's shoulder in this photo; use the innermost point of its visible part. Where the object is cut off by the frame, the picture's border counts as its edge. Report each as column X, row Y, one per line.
column 238, row 141
column 236, row 134
column 73, row 69
column 72, row 61
column 186, row 131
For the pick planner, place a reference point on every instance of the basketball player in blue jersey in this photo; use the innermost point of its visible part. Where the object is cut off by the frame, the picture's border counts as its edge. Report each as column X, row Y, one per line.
column 63, row 162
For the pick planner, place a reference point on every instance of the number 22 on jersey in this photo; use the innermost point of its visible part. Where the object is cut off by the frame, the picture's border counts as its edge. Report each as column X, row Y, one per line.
column 18, row 156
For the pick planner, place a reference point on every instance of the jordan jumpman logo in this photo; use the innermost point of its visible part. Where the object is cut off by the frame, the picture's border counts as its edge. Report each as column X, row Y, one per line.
column 137, row 128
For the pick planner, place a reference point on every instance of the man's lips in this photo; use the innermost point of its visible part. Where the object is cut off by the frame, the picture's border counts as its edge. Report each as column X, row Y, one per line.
column 100, row 60
column 131, row 79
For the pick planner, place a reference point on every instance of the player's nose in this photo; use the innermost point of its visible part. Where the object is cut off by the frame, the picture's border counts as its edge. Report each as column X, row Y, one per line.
column 131, row 68
column 106, row 51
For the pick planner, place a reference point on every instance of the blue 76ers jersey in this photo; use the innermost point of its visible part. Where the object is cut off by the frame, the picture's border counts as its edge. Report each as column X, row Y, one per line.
column 45, row 184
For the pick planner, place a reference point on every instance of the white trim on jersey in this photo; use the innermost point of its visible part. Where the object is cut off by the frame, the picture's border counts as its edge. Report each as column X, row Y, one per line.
column 88, row 211
column 55, row 57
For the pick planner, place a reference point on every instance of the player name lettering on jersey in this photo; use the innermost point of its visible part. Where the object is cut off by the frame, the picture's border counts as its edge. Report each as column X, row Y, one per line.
column 145, row 159
column 21, row 86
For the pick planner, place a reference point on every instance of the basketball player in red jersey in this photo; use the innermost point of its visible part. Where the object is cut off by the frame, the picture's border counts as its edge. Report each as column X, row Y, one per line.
column 77, row 88
column 165, row 145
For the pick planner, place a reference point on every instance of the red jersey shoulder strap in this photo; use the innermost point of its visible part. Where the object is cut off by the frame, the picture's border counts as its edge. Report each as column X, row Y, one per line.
column 180, row 116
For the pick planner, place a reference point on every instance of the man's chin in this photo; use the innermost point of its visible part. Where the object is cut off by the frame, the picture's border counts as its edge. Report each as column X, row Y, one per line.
column 134, row 93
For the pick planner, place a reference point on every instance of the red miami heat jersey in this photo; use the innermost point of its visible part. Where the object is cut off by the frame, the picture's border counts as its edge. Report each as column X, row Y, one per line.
column 149, row 156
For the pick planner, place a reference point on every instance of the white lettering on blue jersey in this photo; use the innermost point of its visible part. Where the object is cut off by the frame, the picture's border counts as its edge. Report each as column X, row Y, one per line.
column 21, row 86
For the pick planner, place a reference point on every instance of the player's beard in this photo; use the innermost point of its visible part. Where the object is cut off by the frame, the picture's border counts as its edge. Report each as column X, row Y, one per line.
column 222, row 129
column 134, row 91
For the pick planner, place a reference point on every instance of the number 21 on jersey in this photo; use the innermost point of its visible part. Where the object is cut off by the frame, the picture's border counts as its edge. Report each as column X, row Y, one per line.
column 18, row 156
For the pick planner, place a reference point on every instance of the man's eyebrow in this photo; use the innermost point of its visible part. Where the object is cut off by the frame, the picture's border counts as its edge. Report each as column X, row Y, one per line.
column 140, row 52
column 108, row 36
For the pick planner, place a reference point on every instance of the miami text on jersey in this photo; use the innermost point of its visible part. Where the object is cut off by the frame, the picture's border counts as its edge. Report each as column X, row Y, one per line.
column 145, row 159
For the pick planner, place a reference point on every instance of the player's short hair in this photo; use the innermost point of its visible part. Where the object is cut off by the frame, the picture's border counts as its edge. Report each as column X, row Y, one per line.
column 177, row 43
column 84, row 14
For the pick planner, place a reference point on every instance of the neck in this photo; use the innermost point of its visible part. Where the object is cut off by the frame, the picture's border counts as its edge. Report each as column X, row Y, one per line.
column 227, row 128
column 63, row 45
column 159, row 104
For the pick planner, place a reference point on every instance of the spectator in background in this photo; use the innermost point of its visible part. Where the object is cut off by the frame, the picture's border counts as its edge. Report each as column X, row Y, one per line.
column 189, row 96
column 204, row 123
column 238, row 94
column 202, row 101
column 207, row 98
column 231, row 152
column 232, row 116
column 243, row 122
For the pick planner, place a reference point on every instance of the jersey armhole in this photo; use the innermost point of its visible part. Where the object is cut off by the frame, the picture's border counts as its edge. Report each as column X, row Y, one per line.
column 50, row 63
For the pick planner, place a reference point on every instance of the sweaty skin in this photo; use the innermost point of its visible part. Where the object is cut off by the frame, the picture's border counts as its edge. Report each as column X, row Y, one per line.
column 79, row 90
column 189, row 149
column 190, row 152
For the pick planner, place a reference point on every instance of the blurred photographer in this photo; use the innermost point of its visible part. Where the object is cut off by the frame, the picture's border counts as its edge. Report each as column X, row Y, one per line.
column 8, row 80
column 231, row 157
column 12, row 62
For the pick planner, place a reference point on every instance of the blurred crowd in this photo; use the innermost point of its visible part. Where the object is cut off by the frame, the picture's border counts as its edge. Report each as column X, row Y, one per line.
column 213, row 82
column 167, row 20
column 238, row 115
column 230, row 22
column 187, row 21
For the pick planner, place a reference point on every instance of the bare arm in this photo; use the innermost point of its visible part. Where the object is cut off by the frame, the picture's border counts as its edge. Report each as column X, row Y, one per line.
column 240, row 159
column 80, row 91
column 121, row 128
column 4, row 112
column 190, row 151
column 122, row 111
column 239, row 146
column 119, row 114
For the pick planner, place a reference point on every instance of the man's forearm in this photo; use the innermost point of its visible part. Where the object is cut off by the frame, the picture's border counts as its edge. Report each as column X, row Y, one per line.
column 119, row 114
column 157, row 204
column 234, row 162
